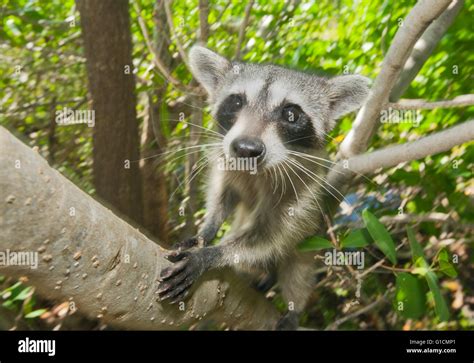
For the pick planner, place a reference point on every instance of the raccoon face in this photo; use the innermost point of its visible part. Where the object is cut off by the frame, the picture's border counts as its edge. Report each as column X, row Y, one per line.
column 265, row 110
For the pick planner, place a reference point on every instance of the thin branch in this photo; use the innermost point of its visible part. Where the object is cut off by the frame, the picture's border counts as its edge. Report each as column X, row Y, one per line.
column 156, row 59
column 394, row 155
column 38, row 104
column 243, row 27
column 434, row 217
column 428, row 145
column 424, row 48
column 361, row 311
column 367, row 120
column 174, row 36
column 203, row 21
column 395, row 269
column 460, row 101
column 379, row 263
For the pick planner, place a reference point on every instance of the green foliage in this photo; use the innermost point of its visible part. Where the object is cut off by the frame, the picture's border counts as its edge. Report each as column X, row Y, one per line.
column 411, row 287
column 380, row 235
column 356, row 238
column 314, row 243
column 445, row 265
column 440, row 304
column 410, row 296
column 21, row 298
column 35, row 313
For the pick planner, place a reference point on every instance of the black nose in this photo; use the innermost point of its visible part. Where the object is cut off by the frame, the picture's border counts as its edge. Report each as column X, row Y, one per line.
column 247, row 147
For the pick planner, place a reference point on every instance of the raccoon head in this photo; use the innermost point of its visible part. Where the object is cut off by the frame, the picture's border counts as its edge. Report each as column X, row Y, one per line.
column 266, row 110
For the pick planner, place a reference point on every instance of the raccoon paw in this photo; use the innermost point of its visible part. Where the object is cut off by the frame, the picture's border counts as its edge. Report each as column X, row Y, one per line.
column 177, row 279
column 289, row 321
column 189, row 243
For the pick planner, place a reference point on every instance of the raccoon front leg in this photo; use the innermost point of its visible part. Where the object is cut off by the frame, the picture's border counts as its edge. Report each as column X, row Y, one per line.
column 296, row 280
column 218, row 208
column 188, row 266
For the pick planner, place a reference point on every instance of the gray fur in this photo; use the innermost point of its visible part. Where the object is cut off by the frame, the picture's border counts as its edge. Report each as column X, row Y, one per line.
column 277, row 208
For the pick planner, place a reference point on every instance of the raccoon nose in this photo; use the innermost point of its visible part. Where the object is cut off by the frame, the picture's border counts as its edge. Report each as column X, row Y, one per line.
column 246, row 147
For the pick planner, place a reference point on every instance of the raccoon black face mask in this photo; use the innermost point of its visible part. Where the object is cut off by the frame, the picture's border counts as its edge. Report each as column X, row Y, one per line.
column 267, row 176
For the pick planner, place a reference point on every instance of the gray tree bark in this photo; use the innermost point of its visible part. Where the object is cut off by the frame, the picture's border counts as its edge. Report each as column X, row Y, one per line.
column 107, row 268
column 424, row 47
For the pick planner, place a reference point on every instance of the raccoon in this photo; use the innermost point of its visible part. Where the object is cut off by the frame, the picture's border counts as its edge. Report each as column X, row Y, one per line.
column 279, row 119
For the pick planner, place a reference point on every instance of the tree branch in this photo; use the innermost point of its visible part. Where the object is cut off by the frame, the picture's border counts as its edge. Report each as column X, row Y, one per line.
column 89, row 255
column 424, row 47
column 242, row 29
column 460, row 101
column 405, row 218
column 366, row 122
column 382, row 299
column 394, row 155
column 156, row 59
column 203, row 21
column 174, row 36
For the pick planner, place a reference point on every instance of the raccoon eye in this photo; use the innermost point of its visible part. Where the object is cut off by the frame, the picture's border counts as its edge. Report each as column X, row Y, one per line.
column 234, row 103
column 291, row 113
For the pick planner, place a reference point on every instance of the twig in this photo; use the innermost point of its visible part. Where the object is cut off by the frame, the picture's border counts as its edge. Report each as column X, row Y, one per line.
column 394, row 155
column 243, row 27
column 367, row 120
column 378, row 263
column 37, row 104
column 330, row 230
column 435, row 217
column 424, row 47
column 460, row 101
column 361, row 311
column 203, row 20
column 156, row 60
column 395, row 269
column 174, row 36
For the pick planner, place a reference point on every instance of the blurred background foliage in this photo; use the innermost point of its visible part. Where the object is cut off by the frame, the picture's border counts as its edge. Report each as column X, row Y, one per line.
column 42, row 69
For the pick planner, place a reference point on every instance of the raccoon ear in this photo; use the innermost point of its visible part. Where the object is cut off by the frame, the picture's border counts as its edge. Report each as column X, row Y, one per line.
column 208, row 67
column 347, row 94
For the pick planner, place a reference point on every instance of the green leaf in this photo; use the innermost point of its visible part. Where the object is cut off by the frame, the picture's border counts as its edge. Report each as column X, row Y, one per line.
column 447, row 269
column 443, row 255
column 35, row 313
column 445, row 265
column 11, row 292
column 416, row 249
column 356, row 238
column 440, row 304
column 381, row 237
column 410, row 296
column 9, row 304
column 24, row 294
column 314, row 243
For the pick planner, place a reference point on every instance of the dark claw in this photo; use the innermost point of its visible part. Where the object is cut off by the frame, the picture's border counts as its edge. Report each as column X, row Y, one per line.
column 169, row 272
column 178, row 278
column 180, row 297
column 177, row 292
column 172, row 283
column 175, row 256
